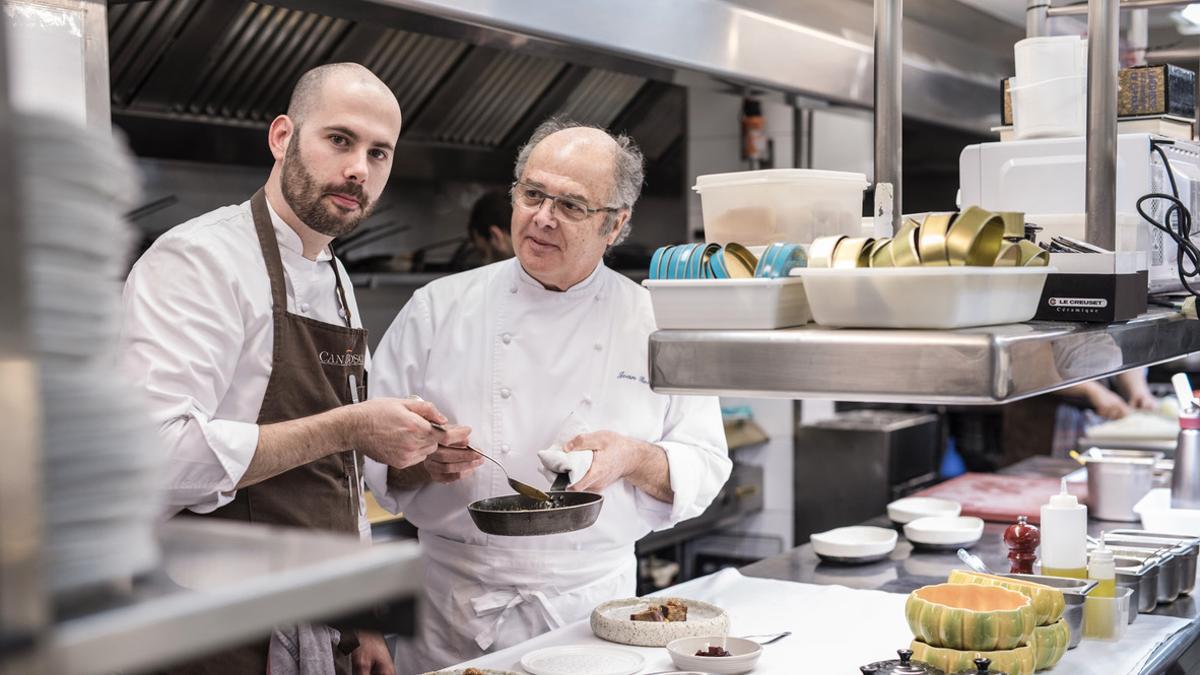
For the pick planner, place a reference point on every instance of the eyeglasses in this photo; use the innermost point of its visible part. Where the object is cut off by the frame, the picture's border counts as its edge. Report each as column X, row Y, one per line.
column 567, row 208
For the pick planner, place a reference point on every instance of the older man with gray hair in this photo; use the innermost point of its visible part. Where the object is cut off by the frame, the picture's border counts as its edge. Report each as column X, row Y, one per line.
column 544, row 351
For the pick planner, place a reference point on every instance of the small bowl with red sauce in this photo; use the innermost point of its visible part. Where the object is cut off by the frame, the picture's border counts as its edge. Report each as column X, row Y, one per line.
column 741, row 654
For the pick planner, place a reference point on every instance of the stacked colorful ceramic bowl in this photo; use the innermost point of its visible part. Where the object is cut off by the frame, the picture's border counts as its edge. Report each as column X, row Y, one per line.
column 731, row 261
column 973, row 238
column 698, row 286
column 943, row 271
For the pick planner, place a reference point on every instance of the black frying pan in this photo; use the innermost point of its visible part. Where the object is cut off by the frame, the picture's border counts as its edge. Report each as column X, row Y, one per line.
column 520, row 516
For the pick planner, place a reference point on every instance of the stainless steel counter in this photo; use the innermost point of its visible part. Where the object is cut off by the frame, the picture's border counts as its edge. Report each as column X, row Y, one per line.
column 222, row 583
column 907, row 569
column 991, row 364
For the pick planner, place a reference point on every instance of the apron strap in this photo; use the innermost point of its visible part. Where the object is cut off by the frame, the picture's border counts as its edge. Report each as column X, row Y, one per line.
column 270, row 249
column 341, row 292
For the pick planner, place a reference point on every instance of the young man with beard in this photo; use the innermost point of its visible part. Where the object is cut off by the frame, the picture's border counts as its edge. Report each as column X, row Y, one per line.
column 241, row 327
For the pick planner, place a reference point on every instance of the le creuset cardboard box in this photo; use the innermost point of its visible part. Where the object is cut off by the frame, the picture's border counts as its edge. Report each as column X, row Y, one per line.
column 1094, row 287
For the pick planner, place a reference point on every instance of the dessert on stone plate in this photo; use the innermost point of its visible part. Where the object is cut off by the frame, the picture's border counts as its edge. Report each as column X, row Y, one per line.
column 671, row 610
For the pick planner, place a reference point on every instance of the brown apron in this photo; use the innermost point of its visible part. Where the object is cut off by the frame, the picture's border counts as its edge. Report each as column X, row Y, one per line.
column 310, row 367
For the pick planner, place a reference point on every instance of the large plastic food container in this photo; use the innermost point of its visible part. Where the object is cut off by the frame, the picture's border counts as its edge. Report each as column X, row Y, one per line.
column 728, row 303
column 756, row 208
column 1158, row 516
column 922, row 297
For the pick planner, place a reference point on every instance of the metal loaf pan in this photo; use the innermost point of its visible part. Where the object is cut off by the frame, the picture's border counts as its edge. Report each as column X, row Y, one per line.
column 1169, row 577
column 1185, row 547
column 1142, row 576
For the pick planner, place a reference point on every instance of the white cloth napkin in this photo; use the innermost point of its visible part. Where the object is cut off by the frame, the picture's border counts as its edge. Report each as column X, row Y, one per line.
column 555, row 460
column 834, row 629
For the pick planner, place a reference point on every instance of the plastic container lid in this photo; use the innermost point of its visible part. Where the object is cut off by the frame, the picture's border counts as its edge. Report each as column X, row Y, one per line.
column 1101, row 554
column 777, row 176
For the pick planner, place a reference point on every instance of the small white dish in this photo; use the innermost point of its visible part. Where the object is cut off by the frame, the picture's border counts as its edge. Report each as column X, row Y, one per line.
column 583, row 660
column 743, row 655
column 854, row 545
column 937, row 533
column 909, row 509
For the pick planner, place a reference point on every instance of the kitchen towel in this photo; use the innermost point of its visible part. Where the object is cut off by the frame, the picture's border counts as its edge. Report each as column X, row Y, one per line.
column 834, row 629
column 555, row 460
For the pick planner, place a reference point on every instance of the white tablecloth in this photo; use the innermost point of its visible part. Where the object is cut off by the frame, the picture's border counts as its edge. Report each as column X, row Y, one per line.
column 834, row 630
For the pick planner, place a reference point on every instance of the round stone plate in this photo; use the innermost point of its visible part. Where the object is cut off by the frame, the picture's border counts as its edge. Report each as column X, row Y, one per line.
column 610, row 621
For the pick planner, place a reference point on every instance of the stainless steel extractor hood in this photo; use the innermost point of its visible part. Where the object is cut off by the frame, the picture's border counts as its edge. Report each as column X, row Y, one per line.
column 953, row 62
column 200, row 79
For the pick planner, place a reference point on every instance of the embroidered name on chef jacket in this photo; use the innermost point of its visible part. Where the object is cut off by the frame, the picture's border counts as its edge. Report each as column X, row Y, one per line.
column 636, row 378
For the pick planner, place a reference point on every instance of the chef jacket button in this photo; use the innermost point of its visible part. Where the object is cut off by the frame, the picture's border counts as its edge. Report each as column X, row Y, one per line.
column 512, row 289
column 506, row 338
column 598, row 346
column 504, row 449
column 342, row 312
column 587, row 399
column 505, row 392
column 305, row 307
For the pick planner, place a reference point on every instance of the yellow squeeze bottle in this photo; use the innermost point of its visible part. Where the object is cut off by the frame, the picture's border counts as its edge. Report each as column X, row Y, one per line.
column 1102, row 570
column 1101, row 616
column 1064, row 536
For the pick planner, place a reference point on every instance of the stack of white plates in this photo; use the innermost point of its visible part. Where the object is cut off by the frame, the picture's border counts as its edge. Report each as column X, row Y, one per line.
column 99, row 461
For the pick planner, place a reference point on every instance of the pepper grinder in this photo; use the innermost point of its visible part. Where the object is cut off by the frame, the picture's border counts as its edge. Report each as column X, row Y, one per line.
column 1022, row 540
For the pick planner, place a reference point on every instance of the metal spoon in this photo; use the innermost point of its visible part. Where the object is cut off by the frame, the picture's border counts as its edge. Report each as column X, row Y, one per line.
column 521, row 488
column 773, row 637
column 973, row 561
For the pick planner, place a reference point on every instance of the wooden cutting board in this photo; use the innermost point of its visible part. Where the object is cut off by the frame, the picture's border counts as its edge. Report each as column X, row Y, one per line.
column 1000, row 499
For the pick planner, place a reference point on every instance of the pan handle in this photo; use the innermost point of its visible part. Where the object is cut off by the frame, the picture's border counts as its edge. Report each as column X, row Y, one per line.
column 561, row 480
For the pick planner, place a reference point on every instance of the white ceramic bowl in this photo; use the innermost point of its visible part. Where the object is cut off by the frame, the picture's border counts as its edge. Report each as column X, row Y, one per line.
column 909, row 509
column 938, row 532
column 743, row 655
column 856, row 544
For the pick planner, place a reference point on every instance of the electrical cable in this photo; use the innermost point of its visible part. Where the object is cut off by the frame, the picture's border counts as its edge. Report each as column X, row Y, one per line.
column 1182, row 217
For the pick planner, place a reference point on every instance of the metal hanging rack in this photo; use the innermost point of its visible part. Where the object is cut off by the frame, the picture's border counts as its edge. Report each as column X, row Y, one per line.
column 989, row 365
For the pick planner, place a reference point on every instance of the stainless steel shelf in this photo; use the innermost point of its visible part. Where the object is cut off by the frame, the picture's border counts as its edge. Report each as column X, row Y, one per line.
column 221, row 584
column 994, row 364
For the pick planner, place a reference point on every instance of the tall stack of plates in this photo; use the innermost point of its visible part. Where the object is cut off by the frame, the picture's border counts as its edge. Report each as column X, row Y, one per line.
column 99, row 462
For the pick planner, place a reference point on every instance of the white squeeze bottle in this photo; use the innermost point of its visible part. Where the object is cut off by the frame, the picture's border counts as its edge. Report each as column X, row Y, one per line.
column 1064, row 536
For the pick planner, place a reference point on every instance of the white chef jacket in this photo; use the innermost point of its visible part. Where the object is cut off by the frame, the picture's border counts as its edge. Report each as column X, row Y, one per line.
column 197, row 337
column 496, row 351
